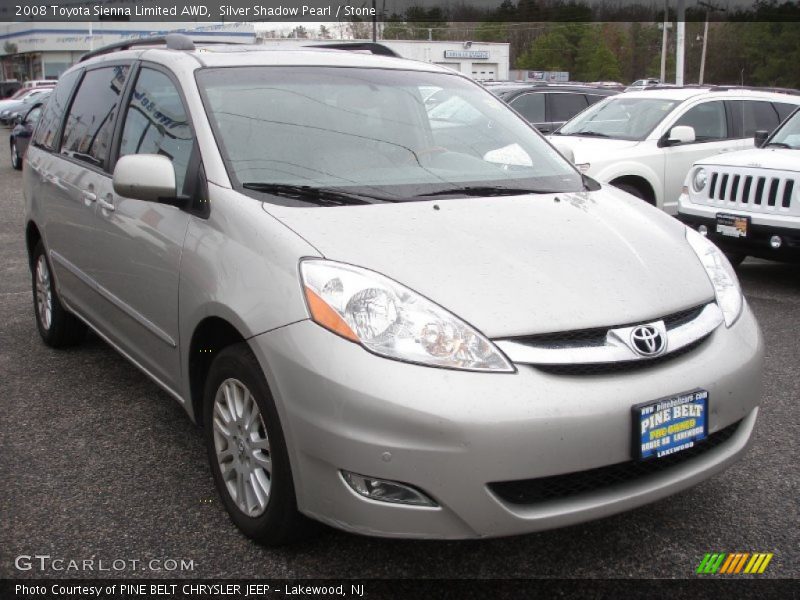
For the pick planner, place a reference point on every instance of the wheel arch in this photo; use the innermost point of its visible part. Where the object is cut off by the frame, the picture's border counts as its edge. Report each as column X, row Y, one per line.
column 210, row 336
column 32, row 237
column 640, row 183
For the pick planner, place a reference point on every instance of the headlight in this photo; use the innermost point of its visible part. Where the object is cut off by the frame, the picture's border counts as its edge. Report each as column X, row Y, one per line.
column 392, row 320
column 721, row 274
column 699, row 180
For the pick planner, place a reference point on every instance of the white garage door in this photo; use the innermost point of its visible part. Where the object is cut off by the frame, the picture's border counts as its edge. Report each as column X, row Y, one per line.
column 450, row 65
column 484, row 71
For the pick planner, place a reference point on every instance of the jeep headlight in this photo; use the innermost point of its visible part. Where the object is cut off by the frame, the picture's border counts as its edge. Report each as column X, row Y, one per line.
column 699, row 180
column 393, row 321
column 721, row 274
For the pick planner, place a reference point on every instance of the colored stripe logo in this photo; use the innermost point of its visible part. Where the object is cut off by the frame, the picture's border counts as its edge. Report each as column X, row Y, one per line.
column 734, row 563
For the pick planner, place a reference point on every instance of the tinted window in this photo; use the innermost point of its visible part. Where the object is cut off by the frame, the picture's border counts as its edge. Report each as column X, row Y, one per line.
column 50, row 122
column 531, row 106
column 90, row 122
column 565, row 106
column 34, row 115
column 758, row 116
column 592, row 98
column 784, row 110
column 156, row 123
column 708, row 120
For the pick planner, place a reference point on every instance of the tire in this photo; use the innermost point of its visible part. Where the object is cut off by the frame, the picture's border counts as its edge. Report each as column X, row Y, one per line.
column 57, row 327
column 268, row 511
column 16, row 159
column 632, row 190
column 735, row 258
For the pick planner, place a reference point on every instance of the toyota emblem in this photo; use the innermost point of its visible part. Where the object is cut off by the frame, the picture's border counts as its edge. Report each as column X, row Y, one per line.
column 647, row 340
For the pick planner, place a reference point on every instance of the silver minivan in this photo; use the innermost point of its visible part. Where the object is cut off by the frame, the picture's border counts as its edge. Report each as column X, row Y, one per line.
column 396, row 324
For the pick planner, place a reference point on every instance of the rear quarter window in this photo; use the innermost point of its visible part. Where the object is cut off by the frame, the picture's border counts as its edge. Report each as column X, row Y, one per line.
column 50, row 122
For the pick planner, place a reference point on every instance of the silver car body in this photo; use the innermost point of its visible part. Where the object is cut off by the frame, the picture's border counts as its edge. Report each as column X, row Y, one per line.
column 148, row 277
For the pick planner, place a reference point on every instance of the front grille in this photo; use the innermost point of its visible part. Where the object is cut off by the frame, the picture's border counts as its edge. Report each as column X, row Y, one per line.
column 627, row 366
column 532, row 491
column 597, row 335
column 754, row 192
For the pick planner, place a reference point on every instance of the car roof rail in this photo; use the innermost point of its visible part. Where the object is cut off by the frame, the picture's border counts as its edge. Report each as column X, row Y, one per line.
column 373, row 47
column 173, row 41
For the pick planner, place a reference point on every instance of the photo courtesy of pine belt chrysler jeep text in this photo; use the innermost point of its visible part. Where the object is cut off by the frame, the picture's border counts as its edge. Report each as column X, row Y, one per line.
column 392, row 324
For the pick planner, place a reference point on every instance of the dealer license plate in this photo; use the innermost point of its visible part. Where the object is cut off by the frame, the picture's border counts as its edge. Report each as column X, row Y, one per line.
column 669, row 425
column 735, row 226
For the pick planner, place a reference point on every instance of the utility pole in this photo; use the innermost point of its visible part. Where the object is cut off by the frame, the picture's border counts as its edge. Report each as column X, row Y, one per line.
column 374, row 22
column 664, row 39
column 709, row 8
column 680, row 42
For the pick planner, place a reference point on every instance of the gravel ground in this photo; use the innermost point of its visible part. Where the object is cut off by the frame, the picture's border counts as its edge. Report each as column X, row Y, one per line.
column 98, row 463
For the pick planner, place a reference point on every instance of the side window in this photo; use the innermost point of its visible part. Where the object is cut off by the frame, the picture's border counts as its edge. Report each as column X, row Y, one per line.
column 565, row 106
column 34, row 115
column 156, row 123
column 784, row 110
column 530, row 106
column 592, row 98
column 90, row 121
column 758, row 116
column 50, row 121
column 708, row 120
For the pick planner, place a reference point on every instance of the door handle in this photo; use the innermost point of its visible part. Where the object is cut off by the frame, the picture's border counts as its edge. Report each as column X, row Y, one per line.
column 89, row 198
column 105, row 204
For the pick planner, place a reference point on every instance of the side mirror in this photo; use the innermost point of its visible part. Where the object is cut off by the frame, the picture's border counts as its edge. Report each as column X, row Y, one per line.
column 19, row 119
column 565, row 151
column 149, row 177
column 680, row 134
column 760, row 137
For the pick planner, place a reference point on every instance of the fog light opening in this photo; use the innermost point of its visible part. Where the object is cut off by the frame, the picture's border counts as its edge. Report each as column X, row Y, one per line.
column 775, row 242
column 383, row 490
column 702, row 230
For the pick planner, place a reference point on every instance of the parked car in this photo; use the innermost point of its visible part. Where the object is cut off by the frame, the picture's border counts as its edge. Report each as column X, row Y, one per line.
column 21, row 134
column 748, row 202
column 393, row 328
column 23, row 94
column 547, row 107
column 641, row 84
column 8, row 88
column 10, row 112
column 645, row 142
column 37, row 83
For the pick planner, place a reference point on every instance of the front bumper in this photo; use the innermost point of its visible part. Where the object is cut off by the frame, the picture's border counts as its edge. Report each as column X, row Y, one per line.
column 452, row 433
column 762, row 228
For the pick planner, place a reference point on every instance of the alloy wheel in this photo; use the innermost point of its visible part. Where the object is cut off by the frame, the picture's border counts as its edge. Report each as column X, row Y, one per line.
column 44, row 293
column 242, row 447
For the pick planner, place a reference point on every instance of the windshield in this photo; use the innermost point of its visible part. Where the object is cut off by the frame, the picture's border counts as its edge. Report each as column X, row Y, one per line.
column 372, row 132
column 788, row 136
column 620, row 117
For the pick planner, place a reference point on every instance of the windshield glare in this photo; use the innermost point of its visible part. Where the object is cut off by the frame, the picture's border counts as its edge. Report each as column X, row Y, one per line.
column 620, row 118
column 789, row 134
column 374, row 131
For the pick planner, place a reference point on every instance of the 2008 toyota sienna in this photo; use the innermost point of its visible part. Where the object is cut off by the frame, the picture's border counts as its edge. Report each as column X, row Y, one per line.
column 395, row 324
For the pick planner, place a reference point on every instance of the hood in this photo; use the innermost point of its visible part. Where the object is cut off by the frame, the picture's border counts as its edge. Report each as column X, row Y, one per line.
column 520, row 265
column 588, row 149
column 780, row 159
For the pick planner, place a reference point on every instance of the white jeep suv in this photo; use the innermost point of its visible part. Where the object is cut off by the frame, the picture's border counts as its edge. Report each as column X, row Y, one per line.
column 748, row 202
column 645, row 142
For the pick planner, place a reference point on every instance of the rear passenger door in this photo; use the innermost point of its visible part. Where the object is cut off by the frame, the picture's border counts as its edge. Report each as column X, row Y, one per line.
column 139, row 243
column 531, row 106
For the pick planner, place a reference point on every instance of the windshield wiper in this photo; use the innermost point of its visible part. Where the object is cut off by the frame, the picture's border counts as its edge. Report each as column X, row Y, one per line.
column 590, row 134
column 320, row 195
column 778, row 145
column 484, row 191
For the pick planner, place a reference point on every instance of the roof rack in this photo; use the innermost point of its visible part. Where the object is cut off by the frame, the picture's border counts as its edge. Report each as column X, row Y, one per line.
column 378, row 49
column 173, row 41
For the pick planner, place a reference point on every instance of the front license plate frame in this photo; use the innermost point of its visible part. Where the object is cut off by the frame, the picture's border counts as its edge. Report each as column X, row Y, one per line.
column 656, row 424
column 732, row 226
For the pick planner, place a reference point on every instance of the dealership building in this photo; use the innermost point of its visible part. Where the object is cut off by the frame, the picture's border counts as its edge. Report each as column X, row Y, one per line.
column 45, row 50
column 484, row 61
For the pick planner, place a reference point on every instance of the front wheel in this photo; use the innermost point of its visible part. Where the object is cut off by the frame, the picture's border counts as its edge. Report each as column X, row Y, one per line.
column 247, row 450
column 57, row 327
column 16, row 159
column 735, row 258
